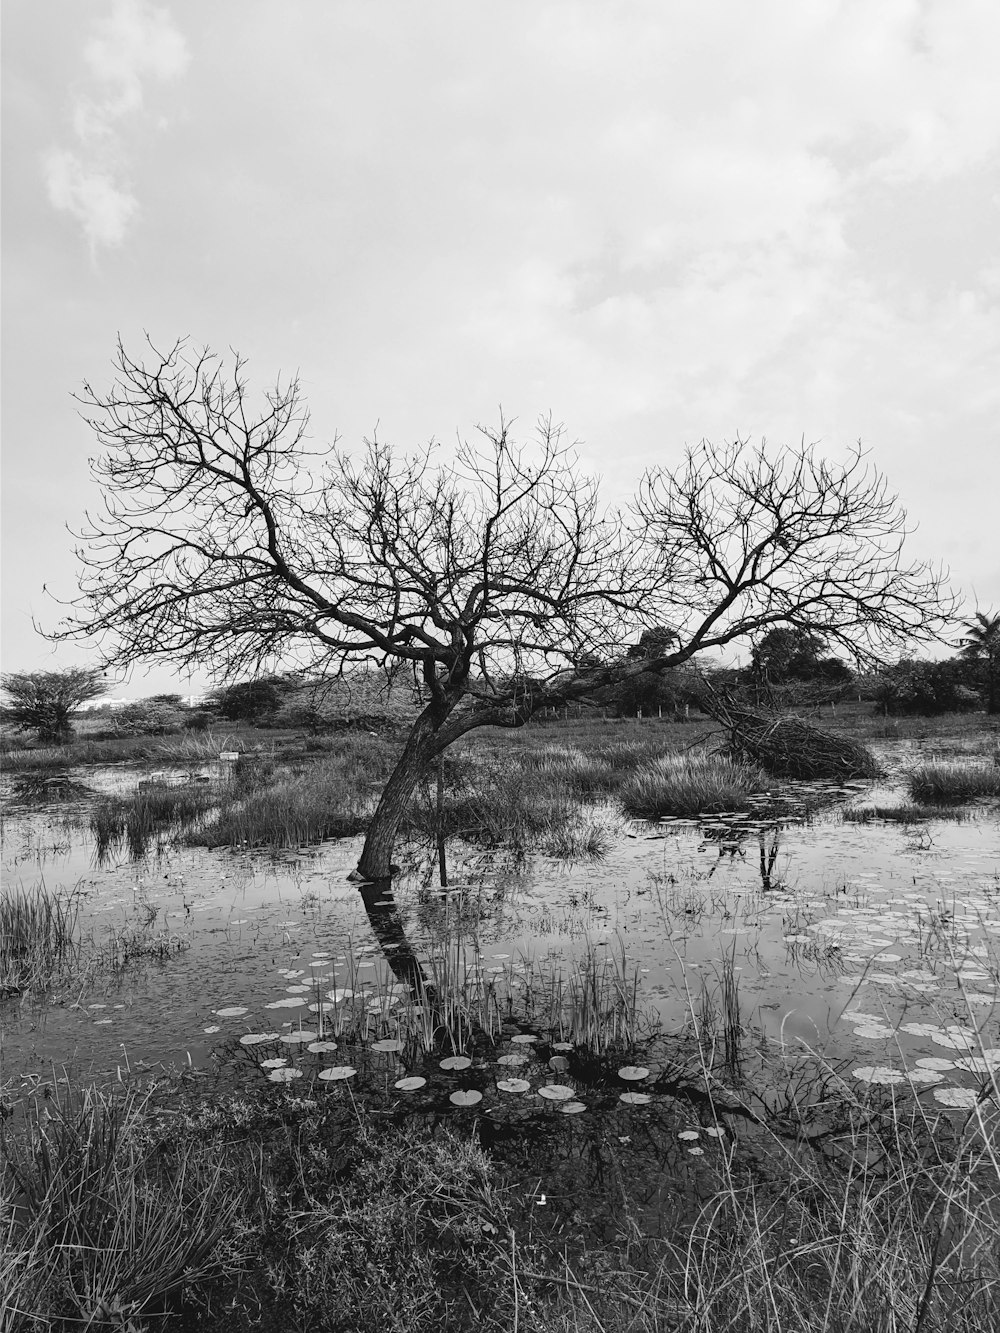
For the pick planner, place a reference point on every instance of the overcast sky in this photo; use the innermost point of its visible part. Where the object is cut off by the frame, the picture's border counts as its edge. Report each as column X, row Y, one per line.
column 660, row 222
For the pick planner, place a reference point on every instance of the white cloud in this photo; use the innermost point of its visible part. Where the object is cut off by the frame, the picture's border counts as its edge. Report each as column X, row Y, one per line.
column 136, row 41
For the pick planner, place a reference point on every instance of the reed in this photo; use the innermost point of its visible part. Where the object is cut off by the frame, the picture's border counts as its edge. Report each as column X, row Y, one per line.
column 39, row 937
column 906, row 812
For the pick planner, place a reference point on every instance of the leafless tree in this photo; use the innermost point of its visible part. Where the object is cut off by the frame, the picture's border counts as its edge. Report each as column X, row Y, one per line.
column 226, row 538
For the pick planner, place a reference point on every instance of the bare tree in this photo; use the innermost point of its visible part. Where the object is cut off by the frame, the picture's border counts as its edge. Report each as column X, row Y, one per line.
column 495, row 576
column 46, row 700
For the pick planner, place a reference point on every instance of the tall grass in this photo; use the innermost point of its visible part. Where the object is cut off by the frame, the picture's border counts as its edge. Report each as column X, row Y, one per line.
column 102, row 1229
column 134, row 820
column 691, row 784
column 38, row 937
column 944, row 783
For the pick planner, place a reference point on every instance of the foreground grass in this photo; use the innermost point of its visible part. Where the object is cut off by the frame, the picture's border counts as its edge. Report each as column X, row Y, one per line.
column 258, row 1209
column 38, row 937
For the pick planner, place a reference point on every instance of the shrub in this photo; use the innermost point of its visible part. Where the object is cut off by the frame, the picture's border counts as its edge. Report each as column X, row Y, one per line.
column 691, row 785
column 147, row 717
column 928, row 688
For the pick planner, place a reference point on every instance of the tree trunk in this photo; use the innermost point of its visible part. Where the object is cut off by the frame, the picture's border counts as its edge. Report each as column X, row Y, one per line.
column 422, row 745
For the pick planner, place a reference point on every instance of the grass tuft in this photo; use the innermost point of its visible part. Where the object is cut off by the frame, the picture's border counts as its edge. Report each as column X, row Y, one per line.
column 948, row 783
column 38, row 937
column 691, row 784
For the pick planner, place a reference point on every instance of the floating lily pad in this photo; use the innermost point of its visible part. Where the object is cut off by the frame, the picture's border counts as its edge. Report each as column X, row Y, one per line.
column 466, row 1097
column 558, row 1064
column 387, row 1045
column 562, row 1045
column 284, row 1075
column 935, row 1062
column 514, row 1060
column 556, row 1092
column 234, row 1011
column 214, row 1027
column 276, row 1063
column 961, row 1099
column 255, row 1038
column 879, row 1074
column 292, row 1002
column 410, row 1084
column 924, row 1076
column 513, row 1085
column 524, row 1038
column 875, row 1032
column 320, row 1046
column 456, row 1062
column 572, row 1108
column 296, row 1038
column 696, row 1152
column 715, row 1132
column 689, row 1135
column 336, row 1072
column 340, row 994
column 634, row 1098
column 633, row 1073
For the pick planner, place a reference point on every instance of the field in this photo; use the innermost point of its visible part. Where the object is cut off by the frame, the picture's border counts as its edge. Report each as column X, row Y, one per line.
column 572, row 1071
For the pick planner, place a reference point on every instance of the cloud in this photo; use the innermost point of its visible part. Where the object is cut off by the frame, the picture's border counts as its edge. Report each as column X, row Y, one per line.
column 135, row 42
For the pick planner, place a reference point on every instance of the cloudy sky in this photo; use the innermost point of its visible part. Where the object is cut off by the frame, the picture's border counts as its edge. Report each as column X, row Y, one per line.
column 658, row 222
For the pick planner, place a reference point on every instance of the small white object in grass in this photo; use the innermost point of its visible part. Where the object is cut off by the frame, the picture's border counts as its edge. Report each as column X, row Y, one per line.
column 513, row 1085
column 213, row 1028
column 292, row 1002
column 696, row 1152
column 410, row 1084
column 255, row 1038
column 456, row 1062
column 284, row 1075
column 336, row 1072
column 633, row 1073
column 276, row 1063
column 634, row 1098
column 879, row 1074
column 961, row 1099
column 572, row 1108
column 524, row 1038
column 468, row 1097
column 688, row 1135
column 556, row 1092
column 715, row 1132
column 234, row 1011
column 512, row 1060
column 387, row 1044
column 320, row 1046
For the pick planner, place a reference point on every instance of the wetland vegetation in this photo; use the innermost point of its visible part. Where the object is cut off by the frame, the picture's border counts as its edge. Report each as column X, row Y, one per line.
column 420, row 1136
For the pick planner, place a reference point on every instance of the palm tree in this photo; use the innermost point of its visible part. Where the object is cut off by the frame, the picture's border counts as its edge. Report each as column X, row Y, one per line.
column 981, row 643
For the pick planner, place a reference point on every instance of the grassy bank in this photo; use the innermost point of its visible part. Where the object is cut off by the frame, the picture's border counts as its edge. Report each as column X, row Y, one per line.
column 263, row 1209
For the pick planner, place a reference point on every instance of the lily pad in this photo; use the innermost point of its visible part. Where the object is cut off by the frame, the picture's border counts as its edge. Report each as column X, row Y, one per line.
column 320, row 1046
column 466, row 1097
column 410, row 1084
column 298, row 1038
column 513, row 1085
column 276, row 1063
column 292, row 1002
column 961, row 1099
column 633, row 1073
column 456, row 1062
column 556, row 1092
column 634, row 1098
column 255, row 1038
column 689, row 1135
column 572, row 1108
column 234, row 1011
column 336, row 1072
column 513, row 1060
column 524, row 1039
column 387, row 1045
column 284, row 1075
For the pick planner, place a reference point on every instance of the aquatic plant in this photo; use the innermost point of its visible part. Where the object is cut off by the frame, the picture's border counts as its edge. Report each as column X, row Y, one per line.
column 906, row 812
column 38, row 936
column 941, row 782
column 691, row 784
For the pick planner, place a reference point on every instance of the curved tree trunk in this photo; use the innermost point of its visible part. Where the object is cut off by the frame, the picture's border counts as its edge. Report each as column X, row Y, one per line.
column 422, row 745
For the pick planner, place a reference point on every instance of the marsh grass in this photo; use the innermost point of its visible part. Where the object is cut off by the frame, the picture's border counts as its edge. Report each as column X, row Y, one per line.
column 136, row 819
column 591, row 1000
column 906, row 812
column 39, row 937
column 102, row 1228
column 691, row 784
column 949, row 783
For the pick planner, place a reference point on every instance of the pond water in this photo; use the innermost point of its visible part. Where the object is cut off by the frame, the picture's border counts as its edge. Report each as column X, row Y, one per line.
column 871, row 946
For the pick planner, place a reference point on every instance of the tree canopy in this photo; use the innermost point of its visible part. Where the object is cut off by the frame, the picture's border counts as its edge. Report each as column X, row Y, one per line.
column 228, row 538
column 45, row 701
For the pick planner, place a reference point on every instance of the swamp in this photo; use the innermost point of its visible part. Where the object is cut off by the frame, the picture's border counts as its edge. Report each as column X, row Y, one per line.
column 638, row 1036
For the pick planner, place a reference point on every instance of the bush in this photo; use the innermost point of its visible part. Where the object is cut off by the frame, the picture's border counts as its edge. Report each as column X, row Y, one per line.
column 927, row 688
column 146, row 718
